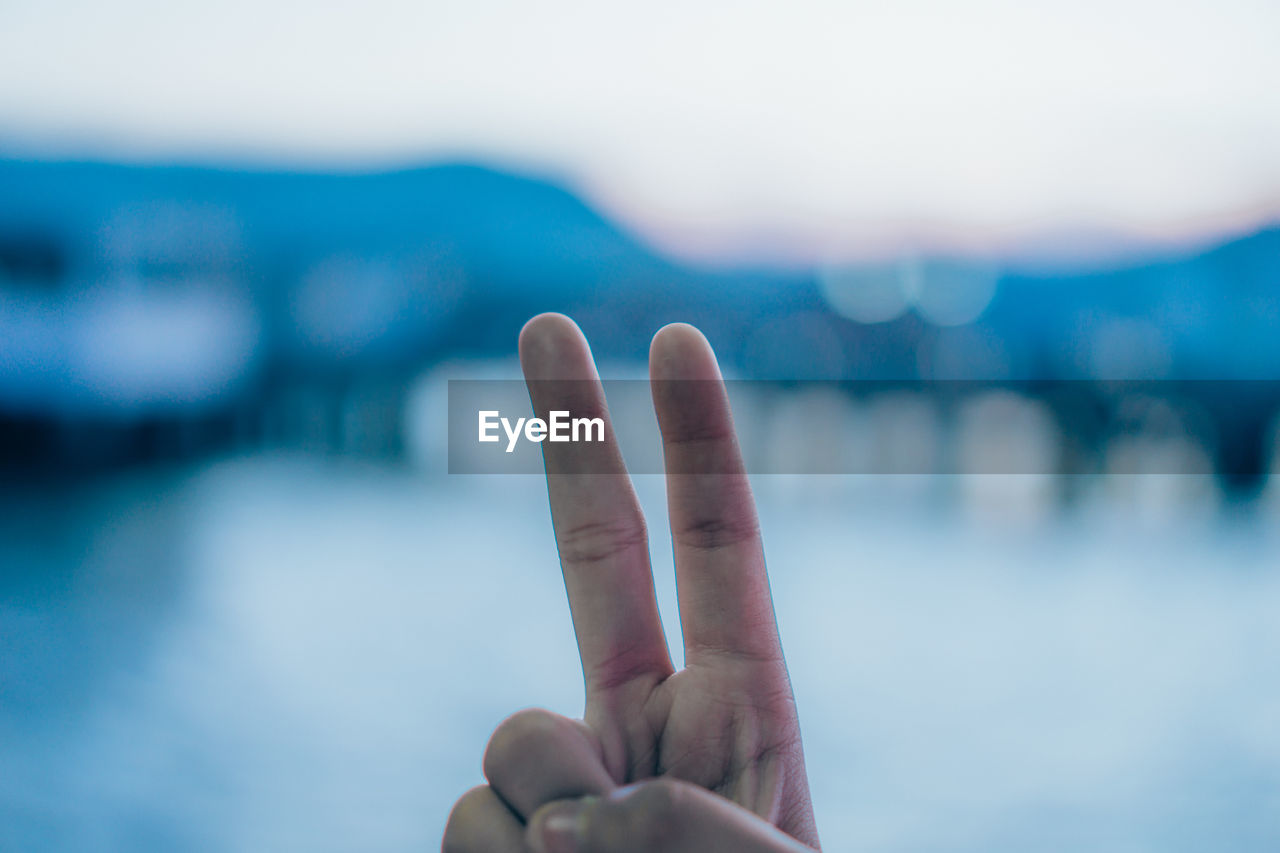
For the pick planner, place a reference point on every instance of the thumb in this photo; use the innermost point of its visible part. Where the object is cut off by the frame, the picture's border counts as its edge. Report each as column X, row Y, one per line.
column 661, row 814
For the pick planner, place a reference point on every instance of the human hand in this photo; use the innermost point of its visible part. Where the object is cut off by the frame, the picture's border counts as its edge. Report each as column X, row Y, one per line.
column 725, row 723
column 658, row 815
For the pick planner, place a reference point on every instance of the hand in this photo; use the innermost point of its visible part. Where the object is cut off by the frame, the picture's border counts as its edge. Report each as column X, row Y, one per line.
column 727, row 722
column 666, row 815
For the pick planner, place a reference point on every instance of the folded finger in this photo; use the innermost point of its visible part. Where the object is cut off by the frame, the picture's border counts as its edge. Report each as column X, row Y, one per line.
column 536, row 756
column 481, row 823
column 664, row 814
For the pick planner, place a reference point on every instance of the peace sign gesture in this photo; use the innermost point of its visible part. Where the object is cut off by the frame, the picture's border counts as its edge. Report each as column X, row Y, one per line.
column 726, row 723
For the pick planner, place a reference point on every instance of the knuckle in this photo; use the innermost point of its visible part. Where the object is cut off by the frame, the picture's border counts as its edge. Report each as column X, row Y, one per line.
column 597, row 541
column 708, row 533
column 646, row 819
column 699, row 433
column 658, row 801
column 626, row 665
column 517, row 737
column 465, row 821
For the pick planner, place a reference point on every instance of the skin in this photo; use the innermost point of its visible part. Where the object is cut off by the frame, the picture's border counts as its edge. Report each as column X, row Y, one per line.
column 710, row 755
column 662, row 814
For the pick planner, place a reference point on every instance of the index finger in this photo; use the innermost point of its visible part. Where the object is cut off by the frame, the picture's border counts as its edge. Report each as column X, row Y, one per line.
column 599, row 528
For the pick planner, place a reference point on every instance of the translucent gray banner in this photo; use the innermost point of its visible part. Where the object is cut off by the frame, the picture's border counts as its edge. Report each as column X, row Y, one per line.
column 1192, row 427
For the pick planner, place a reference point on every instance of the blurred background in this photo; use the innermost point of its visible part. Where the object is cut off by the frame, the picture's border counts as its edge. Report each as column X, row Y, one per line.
column 244, row 246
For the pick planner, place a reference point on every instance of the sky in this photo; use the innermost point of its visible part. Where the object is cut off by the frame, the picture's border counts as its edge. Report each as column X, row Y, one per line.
column 810, row 130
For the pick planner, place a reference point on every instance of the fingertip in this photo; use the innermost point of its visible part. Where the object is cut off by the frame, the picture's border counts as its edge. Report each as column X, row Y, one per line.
column 675, row 338
column 681, row 351
column 552, row 346
column 548, row 326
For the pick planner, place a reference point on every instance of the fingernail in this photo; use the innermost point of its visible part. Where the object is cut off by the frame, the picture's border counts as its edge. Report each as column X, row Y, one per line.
column 561, row 828
column 625, row 791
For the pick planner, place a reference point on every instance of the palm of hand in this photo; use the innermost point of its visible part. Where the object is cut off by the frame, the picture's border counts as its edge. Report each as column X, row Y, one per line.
column 727, row 726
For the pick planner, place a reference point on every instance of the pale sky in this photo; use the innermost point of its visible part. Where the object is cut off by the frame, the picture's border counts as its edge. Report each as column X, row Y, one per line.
column 805, row 129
